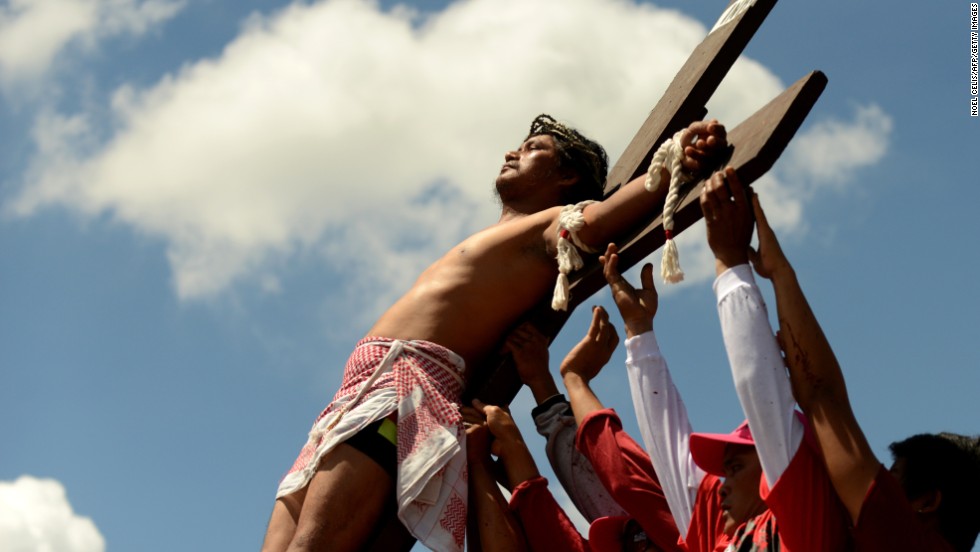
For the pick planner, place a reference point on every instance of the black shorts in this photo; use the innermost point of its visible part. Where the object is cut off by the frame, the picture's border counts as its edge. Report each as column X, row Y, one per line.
column 377, row 441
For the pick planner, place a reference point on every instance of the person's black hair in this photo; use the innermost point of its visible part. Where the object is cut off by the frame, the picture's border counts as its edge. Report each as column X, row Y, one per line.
column 948, row 463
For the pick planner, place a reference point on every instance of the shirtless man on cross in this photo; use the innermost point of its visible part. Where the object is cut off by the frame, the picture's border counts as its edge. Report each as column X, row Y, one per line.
column 394, row 428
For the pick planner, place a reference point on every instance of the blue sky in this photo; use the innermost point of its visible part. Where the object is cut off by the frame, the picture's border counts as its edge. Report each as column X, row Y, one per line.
column 205, row 203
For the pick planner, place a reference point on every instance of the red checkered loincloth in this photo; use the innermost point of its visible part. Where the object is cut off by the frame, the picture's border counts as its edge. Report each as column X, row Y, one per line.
column 423, row 382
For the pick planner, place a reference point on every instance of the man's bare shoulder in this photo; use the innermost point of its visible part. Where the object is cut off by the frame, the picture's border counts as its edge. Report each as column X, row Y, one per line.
column 537, row 230
column 517, row 231
column 543, row 216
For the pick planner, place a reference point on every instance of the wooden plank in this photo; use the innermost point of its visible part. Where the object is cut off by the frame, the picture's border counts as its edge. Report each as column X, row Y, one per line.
column 758, row 142
column 684, row 100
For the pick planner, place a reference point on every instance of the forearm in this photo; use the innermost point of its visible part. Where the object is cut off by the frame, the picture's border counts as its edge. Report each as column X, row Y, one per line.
column 581, row 397
column 760, row 377
column 572, row 469
column 621, row 212
column 627, row 473
column 542, row 388
column 816, row 374
column 518, row 462
column 664, row 426
column 546, row 526
column 818, row 384
column 498, row 527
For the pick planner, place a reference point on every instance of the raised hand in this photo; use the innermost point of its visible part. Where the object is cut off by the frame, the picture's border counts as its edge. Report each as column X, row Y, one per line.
column 728, row 218
column 478, row 437
column 529, row 349
column 491, row 522
column 637, row 307
column 708, row 147
column 507, row 444
column 588, row 357
column 769, row 260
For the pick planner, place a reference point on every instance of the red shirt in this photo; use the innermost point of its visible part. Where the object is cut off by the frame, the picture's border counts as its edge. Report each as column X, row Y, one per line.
column 887, row 521
column 546, row 526
column 626, row 472
column 810, row 517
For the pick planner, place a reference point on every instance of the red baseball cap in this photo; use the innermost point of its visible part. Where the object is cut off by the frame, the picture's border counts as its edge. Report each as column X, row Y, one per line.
column 708, row 449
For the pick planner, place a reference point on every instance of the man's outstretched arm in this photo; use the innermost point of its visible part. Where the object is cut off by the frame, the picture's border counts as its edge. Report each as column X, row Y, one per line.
column 554, row 420
column 585, row 361
column 492, row 526
column 622, row 211
column 815, row 374
column 541, row 523
column 620, row 463
column 756, row 363
column 660, row 412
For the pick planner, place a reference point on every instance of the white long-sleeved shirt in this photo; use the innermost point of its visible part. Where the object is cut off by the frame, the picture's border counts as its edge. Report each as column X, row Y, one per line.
column 758, row 370
column 761, row 383
column 664, row 426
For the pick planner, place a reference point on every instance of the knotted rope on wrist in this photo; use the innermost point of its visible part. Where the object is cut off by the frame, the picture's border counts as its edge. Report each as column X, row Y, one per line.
column 570, row 221
column 669, row 155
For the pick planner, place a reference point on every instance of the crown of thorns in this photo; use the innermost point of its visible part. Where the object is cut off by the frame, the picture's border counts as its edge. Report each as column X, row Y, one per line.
column 585, row 154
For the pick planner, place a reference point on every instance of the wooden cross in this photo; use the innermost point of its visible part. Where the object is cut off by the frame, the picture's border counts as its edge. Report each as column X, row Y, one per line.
column 758, row 143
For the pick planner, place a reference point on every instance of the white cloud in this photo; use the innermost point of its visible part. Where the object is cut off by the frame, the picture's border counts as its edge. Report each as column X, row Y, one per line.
column 827, row 153
column 372, row 137
column 35, row 516
column 831, row 151
column 34, row 32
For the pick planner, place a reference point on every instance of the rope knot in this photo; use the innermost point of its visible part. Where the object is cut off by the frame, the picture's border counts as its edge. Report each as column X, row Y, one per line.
column 670, row 154
column 570, row 221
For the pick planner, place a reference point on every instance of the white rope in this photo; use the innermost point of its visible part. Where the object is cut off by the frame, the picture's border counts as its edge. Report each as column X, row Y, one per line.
column 669, row 155
column 570, row 221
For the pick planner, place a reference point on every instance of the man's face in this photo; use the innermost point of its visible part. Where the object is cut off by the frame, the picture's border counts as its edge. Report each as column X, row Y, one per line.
column 532, row 165
column 740, row 498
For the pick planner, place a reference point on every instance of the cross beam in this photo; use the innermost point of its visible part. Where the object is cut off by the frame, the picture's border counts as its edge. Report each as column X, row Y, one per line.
column 758, row 142
column 684, row 100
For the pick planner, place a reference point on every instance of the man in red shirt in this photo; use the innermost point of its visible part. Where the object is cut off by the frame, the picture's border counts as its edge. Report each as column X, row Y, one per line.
column 776, row 494
column 618, row 461
column 929, row 498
